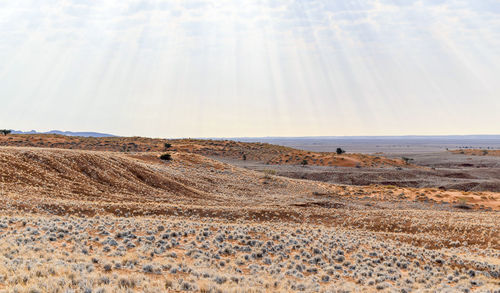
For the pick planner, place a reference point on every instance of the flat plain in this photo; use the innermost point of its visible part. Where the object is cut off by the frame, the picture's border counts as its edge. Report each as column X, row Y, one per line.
column 108, row 215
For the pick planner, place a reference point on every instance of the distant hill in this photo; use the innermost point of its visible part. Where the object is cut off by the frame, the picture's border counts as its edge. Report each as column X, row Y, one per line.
column 67, row 133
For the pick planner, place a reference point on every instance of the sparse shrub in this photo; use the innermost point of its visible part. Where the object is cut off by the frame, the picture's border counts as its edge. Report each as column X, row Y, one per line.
column 220, row 280
column 407, row 160
column 186, row 286
column 103, row 280
column 166, row 157
column 269, row 172
column 340, row 151
column 107, row 267
column 167, row 145
column 126, row 283
column 5, row 131
column 304, row 162
column 463, row 206
column 147, row 268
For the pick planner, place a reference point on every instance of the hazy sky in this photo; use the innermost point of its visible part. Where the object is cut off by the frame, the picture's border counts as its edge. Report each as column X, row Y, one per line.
column 204, row 68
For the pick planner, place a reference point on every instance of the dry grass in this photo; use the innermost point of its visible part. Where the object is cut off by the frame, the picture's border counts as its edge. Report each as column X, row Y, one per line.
column 151, row 254
column 93, row 221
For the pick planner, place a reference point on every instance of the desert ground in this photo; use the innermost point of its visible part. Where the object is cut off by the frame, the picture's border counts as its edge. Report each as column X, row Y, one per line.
column 468, row 163
column 108, row 215
column 446, row 170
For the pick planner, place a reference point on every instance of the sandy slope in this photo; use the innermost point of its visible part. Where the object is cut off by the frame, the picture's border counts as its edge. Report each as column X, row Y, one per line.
column 262, row 152
column 109, row 178
column 189, row 179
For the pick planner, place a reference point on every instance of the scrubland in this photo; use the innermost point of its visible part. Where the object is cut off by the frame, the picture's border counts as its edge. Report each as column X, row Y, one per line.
column 152, row 254
column 103, row 221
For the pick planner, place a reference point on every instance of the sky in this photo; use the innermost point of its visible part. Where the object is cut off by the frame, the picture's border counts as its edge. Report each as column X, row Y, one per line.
column 224, row 68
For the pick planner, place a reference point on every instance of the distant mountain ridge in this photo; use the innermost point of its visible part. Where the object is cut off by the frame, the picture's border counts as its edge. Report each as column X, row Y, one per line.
column 67, row 133
column 371, row 137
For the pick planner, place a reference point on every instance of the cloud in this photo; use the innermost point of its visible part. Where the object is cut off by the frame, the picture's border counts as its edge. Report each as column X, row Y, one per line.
column 330, row 60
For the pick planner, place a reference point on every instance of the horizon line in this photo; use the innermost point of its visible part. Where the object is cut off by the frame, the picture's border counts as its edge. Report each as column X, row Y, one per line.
column 270, row 136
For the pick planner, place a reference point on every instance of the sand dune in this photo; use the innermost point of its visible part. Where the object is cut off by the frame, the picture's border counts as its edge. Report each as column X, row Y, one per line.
column 102, row 178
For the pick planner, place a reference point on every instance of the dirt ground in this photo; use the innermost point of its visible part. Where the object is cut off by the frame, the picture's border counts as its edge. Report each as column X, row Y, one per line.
column 443, row 170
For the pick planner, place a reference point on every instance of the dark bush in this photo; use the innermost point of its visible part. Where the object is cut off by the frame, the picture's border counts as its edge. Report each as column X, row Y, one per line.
column 463, row 206
column 340, row 151
column 166, row 157
column 5, row 131
column 407, row 160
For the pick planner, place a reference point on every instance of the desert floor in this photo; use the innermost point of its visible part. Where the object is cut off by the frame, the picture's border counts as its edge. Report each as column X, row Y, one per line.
column 74, row 220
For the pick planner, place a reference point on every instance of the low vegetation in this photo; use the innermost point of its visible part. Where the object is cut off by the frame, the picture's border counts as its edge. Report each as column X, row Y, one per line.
column 166, row 157
column 91, row 221
column 152, row 254
column 477, row 152
column 5, row 131
column 407, row 160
